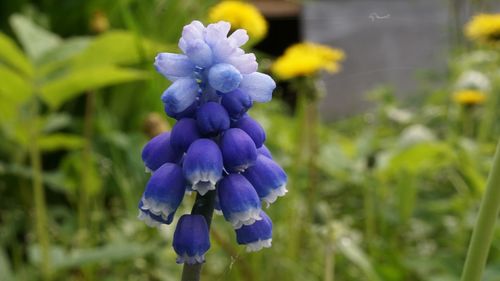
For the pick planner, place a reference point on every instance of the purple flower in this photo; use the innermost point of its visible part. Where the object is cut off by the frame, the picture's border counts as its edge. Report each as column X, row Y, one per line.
column 158, row 151
column 238, row 150
column 163, row 194
column 256, row 236
column 191, row 240
column 268, row 179
column 184, row 133
column 253, row 129
column 202, row 165
column 238, row 200
column 214, row 145
column 212, row 119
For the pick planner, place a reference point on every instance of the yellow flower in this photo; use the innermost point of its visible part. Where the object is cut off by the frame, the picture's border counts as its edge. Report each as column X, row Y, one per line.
column 305, row 59
column 240, row 15
column 484, row 28
column 469, row 97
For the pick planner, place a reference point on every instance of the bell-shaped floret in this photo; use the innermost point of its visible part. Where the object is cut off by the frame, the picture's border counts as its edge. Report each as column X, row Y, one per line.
column 268, row 179
column 238, row 150
column 238, row 200
column 158, row 151
column 164, row 192
column 212, row 118
column 191, row 239
column 202, row 165
column 183, row 134
column 253, row 129
column 236, row 103
column 256, row 236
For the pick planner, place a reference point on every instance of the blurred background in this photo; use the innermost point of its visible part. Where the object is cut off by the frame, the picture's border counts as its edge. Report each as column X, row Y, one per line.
column 387, row 142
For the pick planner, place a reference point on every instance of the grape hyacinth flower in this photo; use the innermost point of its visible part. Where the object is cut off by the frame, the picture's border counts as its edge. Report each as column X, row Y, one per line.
column 215, row 149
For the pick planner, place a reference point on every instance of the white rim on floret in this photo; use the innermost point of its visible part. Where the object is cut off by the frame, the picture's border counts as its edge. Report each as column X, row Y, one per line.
column 256, row 246
column 190, row 260
column 218, row 212
column 148, row 220
column 274, row 194
column 245, row 218
column 157, row 208
column 204, row 181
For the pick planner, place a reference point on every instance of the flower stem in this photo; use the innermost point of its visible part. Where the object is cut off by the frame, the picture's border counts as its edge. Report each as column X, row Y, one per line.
column 485, row 225
column 39, row 198
column 204, row 205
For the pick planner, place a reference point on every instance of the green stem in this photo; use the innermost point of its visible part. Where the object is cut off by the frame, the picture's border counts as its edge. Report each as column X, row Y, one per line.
column 39, row 198
column 485, row 225
column 83, row 199
column 204, row 205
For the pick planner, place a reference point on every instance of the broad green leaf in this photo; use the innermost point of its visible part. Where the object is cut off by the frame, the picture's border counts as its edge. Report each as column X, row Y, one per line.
column 13, row 88
column 13, row 56
column 59, row 55
column 58, row 141
column 117, row 251
column 35, row 39
column 420, row 157
column 65, row 88
column 119, row 47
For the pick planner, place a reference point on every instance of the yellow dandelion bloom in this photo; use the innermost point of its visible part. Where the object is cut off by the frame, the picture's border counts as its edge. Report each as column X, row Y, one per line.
column 305, row 59
column 240, row 15
column 469, row 97
column 484, row 28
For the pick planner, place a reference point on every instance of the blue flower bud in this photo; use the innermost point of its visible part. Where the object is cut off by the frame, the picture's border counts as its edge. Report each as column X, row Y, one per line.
column 199, row 53
column 212, row 119
column 224, row 77
column 191, row 240
column 164, row 191
column 253, row 129
column 202, row 165
column 268, row 179
column 189, row 112
column 184, row 133
column 173, row 66
column 238, row 200
column 259, row 86
column 263, row 150
column 180, row 95
column 151, row 219
column 236, row 103
column 238, row 150
column 158, row 151
column 256, row 236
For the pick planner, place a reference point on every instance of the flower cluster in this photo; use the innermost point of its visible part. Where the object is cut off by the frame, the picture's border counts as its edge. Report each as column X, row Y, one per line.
column 240, row 15
column 484, row 28
column 306, row 59
column 214, row 145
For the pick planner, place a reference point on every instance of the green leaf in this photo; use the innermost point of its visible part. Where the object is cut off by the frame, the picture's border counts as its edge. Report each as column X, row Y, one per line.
column 13, row 87
column 119, row 47
column 35, row 39
column 61, row 54
column 59, row 141
column 65, row 88
column 13, row 56
column 117, row 251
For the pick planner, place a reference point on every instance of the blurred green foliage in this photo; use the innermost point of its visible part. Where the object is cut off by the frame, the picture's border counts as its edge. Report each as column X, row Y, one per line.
column 395, row 198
